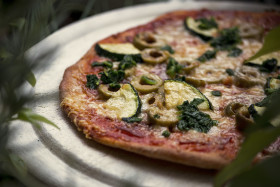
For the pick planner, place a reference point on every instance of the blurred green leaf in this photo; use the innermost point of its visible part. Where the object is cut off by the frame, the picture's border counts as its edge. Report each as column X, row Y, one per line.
column 18, row 23
column 27, row 115
column 31, row 79
column 18, row 164
column 253, row 144
column 271, row 43
column 258, row 137
column 265, row 173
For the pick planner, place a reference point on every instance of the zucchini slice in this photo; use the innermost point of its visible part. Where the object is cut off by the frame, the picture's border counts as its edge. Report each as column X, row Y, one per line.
column 258, row 111
column 259, row 61
column 193, row 26
column 176, row 92
column 125, row 103
column 271, row 85
column 117, row 51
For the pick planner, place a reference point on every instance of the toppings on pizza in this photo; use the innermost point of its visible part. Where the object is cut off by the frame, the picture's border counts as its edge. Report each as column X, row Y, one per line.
column 176, row 88
column 274, row 58
column 173, row 67
column 123, row 104
column 208, row 55
column 146, row 83
column 206, row 29
column 154, row 56
column 117, row 51
column 145, row 40
column 272, row 85
column 193, row 119
column 176, row 92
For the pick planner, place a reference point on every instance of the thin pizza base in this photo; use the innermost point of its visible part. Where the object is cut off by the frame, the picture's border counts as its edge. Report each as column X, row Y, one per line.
column 213, row 150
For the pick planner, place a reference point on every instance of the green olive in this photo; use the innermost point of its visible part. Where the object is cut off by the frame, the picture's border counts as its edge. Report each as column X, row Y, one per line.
column 105, row 90
column 154, row 56
column 250, row 31
column 147, row 40
column 189, row 66
column 146, row 83
column 195, row 82
column 243, row 118
column 248, row 76
column 232, row 108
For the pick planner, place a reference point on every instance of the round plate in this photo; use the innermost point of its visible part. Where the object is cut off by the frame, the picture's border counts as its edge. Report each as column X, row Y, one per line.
column 63, row 157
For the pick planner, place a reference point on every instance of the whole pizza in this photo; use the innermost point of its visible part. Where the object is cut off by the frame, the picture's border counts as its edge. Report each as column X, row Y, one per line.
column 178, row 88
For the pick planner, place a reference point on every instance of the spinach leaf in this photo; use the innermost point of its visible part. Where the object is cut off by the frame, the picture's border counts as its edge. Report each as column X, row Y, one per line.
column 206, row 24
column 127, row 62
column 216, row 93
column 111, row 76
column 208, row 55
column 156, row 116
column 227, row 39
column 230, row 72
column 173, row 67
column 92, row 81
column 167, row 48
column 106, row 64
column 191, row 118
column 235, row 52
column 166, row 133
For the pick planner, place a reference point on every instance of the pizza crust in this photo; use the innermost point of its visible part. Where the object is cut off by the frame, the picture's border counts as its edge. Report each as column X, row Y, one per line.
column 78, row 102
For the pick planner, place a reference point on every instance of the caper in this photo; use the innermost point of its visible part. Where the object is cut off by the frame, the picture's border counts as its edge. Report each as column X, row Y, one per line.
column 147, row 40
column 154, row 56
column 146, row 83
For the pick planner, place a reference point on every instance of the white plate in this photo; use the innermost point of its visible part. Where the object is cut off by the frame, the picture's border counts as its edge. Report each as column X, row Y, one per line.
column 64, row 157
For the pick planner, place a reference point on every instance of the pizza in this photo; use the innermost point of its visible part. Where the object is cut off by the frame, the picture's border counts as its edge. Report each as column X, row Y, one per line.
column 178, row 88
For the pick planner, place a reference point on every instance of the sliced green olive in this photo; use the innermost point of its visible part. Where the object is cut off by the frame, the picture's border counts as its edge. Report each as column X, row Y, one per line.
column 146, row 83
column 243, row 118
column 250, row 31
column 247, row 76
column 106, row 91
column 195, row 82
column 147, row 40
column 210, row 75
column 154, row 56
column 189, row 66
